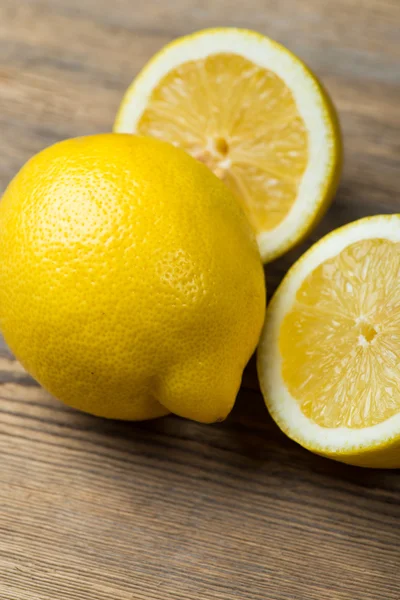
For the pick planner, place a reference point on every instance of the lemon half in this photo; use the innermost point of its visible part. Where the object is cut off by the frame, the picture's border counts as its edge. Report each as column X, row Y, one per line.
column 256, row 115
column 328, row 361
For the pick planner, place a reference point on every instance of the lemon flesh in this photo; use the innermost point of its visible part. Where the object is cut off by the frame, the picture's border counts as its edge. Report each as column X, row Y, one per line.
column 341, row 339
column 257, row 143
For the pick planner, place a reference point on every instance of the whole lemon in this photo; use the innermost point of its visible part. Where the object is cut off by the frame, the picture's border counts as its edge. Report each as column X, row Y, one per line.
column 130, row 280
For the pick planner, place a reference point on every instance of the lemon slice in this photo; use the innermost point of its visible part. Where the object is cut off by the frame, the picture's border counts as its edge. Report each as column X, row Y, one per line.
column 252, row 111
column 329, row 357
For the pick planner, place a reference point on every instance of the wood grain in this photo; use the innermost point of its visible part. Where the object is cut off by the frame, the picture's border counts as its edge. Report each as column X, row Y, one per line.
column 99, row 510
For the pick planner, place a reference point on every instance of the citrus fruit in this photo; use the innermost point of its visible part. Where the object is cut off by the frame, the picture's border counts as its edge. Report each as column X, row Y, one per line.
column 254, row 114
column 328, row 361
column 130, row 280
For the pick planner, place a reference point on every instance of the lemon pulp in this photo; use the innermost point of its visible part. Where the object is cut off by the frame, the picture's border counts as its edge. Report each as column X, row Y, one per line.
column 339, row 342
column 255, row 139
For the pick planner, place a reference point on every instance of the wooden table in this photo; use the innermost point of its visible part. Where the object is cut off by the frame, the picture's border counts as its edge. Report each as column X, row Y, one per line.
column 97, row 510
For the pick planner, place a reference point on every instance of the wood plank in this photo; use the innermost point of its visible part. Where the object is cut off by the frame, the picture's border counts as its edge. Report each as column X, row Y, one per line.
column 171, row 509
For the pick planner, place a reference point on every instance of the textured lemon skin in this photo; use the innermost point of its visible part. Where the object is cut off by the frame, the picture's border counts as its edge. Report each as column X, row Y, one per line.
column 386, row 456
column 130, row 281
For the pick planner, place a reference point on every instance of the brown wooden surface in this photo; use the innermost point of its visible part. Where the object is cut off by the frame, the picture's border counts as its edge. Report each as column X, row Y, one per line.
column 96, row 510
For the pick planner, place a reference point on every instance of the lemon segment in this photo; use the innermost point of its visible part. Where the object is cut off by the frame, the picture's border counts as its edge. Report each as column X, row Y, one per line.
column 255, row 115
column 328, row 361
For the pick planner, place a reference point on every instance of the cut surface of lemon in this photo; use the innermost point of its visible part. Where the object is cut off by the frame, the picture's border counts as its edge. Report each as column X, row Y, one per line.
column 251, row 111
column 329, row 356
